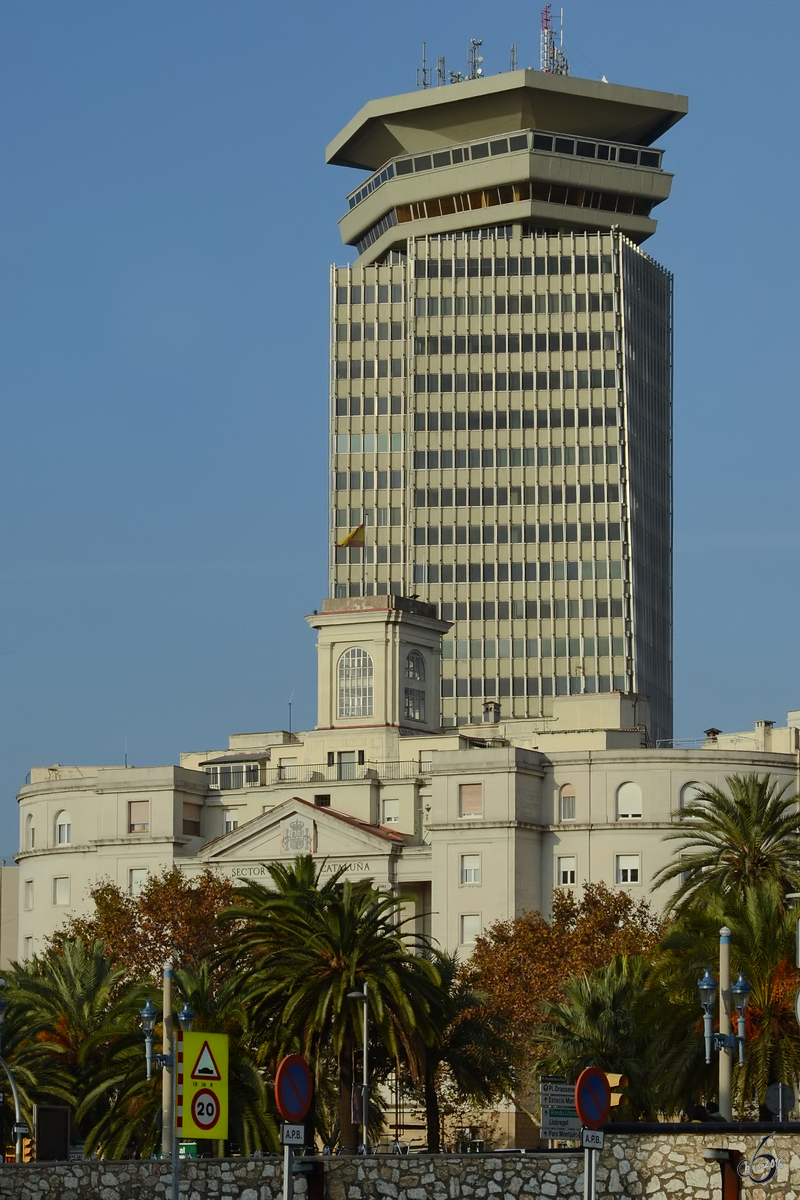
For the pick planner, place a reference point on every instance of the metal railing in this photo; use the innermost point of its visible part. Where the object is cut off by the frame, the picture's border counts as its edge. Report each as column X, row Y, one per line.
column 342, row 772
column 236, row 779
column 617, row 153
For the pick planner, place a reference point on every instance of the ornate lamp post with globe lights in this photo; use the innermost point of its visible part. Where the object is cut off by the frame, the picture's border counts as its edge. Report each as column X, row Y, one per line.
column 148, row 1016
column 724, row 1041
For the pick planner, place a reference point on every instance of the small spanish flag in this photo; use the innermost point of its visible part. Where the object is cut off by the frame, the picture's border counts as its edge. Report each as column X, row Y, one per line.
column 354, row 538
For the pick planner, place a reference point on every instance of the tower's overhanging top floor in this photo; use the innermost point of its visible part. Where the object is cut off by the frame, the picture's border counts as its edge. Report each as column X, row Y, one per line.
column 425, row 120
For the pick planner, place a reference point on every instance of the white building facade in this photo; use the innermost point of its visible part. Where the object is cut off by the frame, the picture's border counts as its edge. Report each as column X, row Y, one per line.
column 474, row 825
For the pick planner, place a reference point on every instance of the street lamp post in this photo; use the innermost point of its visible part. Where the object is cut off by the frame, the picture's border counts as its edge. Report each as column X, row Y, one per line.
column 363, row 998
column 725, row 1041
column 168, row 1063
column 18, row 1125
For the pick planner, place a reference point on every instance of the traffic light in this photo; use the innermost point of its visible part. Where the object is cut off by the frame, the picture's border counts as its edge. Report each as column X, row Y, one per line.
column 29, row 1149
column 617, row 1081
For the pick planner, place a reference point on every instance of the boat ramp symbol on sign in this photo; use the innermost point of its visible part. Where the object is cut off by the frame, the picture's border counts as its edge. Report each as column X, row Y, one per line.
column 205, row 1067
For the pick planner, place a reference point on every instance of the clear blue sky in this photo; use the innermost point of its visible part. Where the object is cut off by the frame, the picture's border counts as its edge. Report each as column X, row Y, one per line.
column 167, row 226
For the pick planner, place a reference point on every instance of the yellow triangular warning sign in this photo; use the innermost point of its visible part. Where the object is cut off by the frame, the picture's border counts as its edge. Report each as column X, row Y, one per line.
column 205, row 1067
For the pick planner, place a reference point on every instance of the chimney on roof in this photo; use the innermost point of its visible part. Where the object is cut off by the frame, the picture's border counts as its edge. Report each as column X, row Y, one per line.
column 491, row 712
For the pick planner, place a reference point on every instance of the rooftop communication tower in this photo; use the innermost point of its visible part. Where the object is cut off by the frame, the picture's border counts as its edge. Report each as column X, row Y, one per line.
column 424, row 72
column 551, row 57
column 474, row 59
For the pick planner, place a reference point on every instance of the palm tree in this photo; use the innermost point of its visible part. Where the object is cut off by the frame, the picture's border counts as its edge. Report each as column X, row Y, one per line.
column 605, row 1021
column 762, row 947
column 472, row 1045
column 308, row 944
column 217, row 1003
column 732, row 841
column 71, row 1016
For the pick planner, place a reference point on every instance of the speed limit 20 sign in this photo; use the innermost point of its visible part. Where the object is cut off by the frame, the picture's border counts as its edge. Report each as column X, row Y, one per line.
column 203, row 1085
column 205, row 1109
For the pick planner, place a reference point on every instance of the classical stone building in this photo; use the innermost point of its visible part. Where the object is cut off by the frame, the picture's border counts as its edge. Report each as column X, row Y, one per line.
column 474, row 825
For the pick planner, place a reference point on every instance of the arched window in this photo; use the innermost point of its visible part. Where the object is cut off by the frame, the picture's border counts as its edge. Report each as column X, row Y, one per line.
column 566, row 810
column 415, row 666
column 355, row 683
column 691, row 792
column 30, row 833
column 63, row 829
column 629, row 801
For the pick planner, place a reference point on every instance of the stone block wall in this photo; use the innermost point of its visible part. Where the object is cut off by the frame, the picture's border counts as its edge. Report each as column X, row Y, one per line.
column 203, row 1179
column 672, row 1166
column 452, row 1176
column 639, row 1166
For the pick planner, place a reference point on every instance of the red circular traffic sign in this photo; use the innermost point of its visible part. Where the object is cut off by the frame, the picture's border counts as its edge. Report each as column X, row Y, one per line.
column 294, row 1088
column 592, row 1097
column 205, row 1109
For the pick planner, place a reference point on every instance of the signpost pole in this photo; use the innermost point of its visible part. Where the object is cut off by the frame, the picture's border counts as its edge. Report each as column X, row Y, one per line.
column 168, row 1046
column 176, row 1152
column 288, row 1154
column 587, row 1175
column 725, row 1055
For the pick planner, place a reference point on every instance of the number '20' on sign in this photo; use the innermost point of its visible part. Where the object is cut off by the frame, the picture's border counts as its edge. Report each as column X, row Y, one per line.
column 205, row 1109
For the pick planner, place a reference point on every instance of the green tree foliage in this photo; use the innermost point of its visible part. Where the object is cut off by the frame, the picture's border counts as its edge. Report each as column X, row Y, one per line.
column 523, row 964
column 306, row 943
column 71, row 1017
column 744, row 838
column 762, row 948
column 472, row 1051
column 606, row 1020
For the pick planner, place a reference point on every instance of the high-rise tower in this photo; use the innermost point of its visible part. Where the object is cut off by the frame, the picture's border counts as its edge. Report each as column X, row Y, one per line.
column 501, row 385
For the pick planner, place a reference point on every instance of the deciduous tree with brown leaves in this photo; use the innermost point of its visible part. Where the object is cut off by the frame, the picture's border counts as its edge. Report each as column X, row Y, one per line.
column 522, row 963
column 172, row 917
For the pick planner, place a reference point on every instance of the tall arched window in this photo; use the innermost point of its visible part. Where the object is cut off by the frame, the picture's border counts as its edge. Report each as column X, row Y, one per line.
column 691, row 792
column 567, row 803
column 30, row 832
column 63, row 829
column 415, row 666
column 355, row 683
column 629, row 801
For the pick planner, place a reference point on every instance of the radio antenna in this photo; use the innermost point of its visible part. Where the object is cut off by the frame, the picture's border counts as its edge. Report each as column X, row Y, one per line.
column 424, row 72
column 551, row 57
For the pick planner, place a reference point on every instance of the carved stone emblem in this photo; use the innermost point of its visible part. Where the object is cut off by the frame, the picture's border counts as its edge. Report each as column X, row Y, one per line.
column 298, row 836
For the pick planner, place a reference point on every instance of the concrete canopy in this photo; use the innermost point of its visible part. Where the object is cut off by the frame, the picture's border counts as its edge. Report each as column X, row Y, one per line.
column 418, row 121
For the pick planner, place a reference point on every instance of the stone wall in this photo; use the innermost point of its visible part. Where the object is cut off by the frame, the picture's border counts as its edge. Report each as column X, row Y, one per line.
column 653, row 1166
column 672, row 1166
column 451, row 1176
column 210, row 1179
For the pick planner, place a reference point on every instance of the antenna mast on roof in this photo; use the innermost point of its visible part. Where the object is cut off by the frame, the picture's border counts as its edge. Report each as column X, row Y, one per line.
column 474, row 70
column 514, row 57
column 423, row 72
column 441, row 73
column 551, row 56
